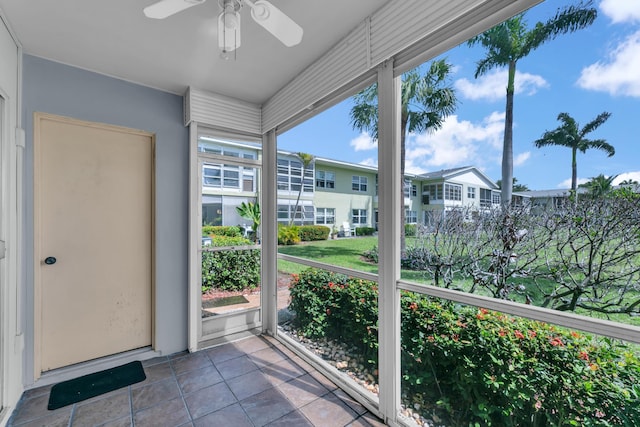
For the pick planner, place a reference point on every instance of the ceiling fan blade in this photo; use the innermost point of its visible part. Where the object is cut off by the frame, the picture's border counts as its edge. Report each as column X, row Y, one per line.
column 165, row 8
column 276, row 22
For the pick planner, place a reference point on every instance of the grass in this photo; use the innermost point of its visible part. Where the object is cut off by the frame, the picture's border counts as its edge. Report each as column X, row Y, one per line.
column 348, row 252
column 340, row 252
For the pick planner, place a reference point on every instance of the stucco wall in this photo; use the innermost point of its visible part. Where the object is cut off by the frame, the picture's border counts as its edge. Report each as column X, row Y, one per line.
column 55, row 88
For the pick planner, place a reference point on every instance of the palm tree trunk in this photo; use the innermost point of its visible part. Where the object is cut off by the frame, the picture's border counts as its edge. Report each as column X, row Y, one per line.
column 574, row 171
column 403, row 239
column 507, row 148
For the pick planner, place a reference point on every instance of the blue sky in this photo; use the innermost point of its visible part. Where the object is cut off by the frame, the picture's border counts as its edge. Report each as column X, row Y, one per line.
column 583, row 74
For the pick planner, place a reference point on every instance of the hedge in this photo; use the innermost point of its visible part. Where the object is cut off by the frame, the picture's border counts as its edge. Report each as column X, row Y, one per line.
column 471, row 366
column 232, row 270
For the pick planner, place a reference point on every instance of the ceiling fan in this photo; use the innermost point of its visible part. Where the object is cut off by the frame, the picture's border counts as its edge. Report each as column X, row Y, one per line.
column 263, row 12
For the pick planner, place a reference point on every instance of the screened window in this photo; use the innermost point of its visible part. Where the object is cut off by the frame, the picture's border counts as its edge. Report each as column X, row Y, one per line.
column 303, row 215
column 359, row 183
column 228, row 177
column 453, row 192
column 325, row 215
column 290, row 176
column 410, row 217
column 433, row 190
column 325, row 179
column 495, row 198
column 485, row 198
column 359, row 216
column 414, row 190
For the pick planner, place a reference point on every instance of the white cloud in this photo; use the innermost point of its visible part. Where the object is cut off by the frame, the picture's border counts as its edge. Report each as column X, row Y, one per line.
column 635, row 176
column 363, row 142
column 619, row 74
column 457, row 143
column 621, row 10
column 521, row 158
column 493, row 86
column 567, row 182
column 369, row 162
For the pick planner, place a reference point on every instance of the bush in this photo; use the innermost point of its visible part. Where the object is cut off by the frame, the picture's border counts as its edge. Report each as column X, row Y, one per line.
column 410, row 230
column 230, row 270
column 473, row 366
column 334, row 306
column 221, row 230
column 288, row 235
column 365, row 231
column 309, row 233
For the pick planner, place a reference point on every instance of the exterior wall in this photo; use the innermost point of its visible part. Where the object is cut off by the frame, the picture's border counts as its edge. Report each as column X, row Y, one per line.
column 343, row 198
column 59, row 89
column 11, row 286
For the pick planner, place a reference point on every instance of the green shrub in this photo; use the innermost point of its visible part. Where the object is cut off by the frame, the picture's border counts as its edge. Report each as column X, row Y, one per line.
column 309, row 233
column 288, row 234
column 365, row 231
column 221, row 230
column 473, row 366
column 334, row 306
column 410, row 230
column 230, row 270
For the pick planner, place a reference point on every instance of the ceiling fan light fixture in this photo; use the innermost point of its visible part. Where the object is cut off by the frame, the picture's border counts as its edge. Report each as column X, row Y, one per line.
column 229, row 27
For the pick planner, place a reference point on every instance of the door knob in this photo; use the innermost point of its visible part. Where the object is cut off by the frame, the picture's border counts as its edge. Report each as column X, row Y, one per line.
column 50, row 260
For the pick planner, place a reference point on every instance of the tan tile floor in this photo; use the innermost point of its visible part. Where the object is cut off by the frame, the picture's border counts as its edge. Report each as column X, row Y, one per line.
column 252, row 382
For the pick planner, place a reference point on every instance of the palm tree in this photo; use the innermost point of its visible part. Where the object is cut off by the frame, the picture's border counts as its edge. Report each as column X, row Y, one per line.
column 306, row 160
column 516, row 187
column 512, row 40
column 570, row 135
column 250, row 211
column 599, row 186
column 426, row 100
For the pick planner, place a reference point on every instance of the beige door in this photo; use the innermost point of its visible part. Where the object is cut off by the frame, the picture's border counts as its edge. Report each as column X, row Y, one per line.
column 93, row 240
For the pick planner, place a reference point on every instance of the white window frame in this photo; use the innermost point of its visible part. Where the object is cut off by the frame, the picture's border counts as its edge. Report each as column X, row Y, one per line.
column 322, row 177
column 359, row 183
column 359, row 216
column 328, row 216
column 471, row 192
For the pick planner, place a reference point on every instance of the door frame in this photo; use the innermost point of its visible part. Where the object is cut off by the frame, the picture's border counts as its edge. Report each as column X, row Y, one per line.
column 38, row 118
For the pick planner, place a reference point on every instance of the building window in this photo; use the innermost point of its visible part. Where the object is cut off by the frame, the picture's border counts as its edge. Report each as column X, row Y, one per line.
column 304, row 215
column 414, row 190
column 325, row 179
column 453, row 192
column 495, row 198
column 290, row 176
column 325, row 216
column 410, row 217
column 471, row 192
column 359, row 183
column 434, row 191
column 485, row 198
column 359, row 216
column 407, row 188
column 228, row 177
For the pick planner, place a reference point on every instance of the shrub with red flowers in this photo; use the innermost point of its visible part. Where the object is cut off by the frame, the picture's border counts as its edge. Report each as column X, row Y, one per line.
column 472, row 366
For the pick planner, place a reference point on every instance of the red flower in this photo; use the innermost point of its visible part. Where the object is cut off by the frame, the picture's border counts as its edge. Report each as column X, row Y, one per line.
column 518, row 334
column 556, row 342
column 583, row 355
column 532, row 334
column 502, row 333
column 413, row 306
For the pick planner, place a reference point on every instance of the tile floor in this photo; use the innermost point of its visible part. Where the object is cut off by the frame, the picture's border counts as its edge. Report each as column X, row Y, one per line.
column 252, row 382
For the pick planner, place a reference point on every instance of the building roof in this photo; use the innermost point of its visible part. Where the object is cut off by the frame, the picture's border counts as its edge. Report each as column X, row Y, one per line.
column 445, row 174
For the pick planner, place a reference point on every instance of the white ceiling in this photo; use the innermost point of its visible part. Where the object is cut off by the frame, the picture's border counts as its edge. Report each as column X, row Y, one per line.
column 113, row 37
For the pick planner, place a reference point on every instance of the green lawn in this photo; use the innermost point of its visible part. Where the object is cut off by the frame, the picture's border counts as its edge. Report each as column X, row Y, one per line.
column 347, row 252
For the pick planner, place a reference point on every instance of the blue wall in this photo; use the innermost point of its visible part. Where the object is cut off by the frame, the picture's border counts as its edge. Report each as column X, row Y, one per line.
column 51, row 87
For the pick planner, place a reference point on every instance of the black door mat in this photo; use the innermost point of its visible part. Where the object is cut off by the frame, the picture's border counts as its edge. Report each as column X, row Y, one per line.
column 92, row 385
